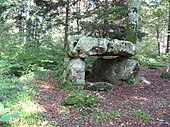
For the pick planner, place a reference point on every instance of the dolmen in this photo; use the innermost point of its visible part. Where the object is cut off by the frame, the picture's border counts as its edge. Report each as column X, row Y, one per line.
column 114, row 65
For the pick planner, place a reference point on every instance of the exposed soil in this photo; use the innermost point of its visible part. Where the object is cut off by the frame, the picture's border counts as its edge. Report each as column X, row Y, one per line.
column 153, row 99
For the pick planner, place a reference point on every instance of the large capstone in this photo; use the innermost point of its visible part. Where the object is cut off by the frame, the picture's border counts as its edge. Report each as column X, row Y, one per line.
column 116, row 71
column 76, row 68
column 82, row 47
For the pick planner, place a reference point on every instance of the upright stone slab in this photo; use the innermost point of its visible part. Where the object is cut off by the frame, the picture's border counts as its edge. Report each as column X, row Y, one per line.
column 76, row 68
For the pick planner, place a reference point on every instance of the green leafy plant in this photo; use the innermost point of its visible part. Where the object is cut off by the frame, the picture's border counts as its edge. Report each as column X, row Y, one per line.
column 154, row 64
column 141, row 115
column 5, row 116
column 103, row 115
column 86, row 111
column 165, row 75
column 80, row 99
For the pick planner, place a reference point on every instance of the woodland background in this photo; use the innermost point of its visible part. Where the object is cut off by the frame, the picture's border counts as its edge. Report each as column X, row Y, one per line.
column 33, row 38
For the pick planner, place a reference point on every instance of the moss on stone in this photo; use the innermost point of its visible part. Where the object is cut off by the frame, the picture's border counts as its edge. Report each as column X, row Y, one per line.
column 79, row 100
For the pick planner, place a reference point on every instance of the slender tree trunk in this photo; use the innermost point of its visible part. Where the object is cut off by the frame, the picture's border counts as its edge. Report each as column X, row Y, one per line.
column 105, row 22
column 132, row 30
column 66, row 26
column 168, row 39
column 158, row 42
column 78, row 17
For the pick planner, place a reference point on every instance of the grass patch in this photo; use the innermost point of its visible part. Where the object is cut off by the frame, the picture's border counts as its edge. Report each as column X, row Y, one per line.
column 141, row 115
column 16, row 94
column 105, row 115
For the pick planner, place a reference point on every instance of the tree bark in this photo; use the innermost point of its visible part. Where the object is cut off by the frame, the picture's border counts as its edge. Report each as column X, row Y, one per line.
column 158, row 42
column 66, row 25
column 78, row 16
column 168, row 39
column 132, row 29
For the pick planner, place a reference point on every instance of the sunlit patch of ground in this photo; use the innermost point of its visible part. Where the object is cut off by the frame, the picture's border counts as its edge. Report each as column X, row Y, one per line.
column 150, row 99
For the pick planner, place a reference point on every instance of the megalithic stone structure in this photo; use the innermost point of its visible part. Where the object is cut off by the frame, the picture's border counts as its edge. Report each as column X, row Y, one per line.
column 81, row 47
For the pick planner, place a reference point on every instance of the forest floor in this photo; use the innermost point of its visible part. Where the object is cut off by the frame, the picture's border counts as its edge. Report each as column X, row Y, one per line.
column 138, row 105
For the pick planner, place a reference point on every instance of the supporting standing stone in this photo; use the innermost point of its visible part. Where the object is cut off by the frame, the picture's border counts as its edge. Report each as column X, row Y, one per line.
column 76, row 68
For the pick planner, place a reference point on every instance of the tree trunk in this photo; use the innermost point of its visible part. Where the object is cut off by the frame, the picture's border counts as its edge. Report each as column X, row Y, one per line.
column 78, row 16
column 158, row 42
column 168, row 39
column 66, row 26
column 132, row 29
column 105, row 23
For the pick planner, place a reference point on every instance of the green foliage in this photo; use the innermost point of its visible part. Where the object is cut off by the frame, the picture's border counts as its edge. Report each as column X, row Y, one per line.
column 103, row 115
column 5, row 116
column 112, row 13
column 141, row 115
column 80, row 99
column 165, row 75
column 108, row 19
column 163, row 58
column 18, row 58
column 16, row 93
column 86, row 111
column 153, row 20
column 60, row 72
column 9, row 68
column 153, row 64
column 9, row 87
column 131, row 34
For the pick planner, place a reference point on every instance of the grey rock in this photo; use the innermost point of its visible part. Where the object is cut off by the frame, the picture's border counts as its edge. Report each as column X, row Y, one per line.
column 72, row 42
column 1, row 98
column 88, row 46
column 99, row 86
column 76, row 68
column 114, row 68
column 82, row 47
column 121, row 48
column 116, row 71
column 143, row 80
